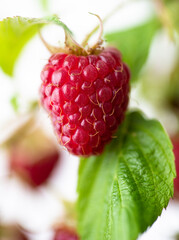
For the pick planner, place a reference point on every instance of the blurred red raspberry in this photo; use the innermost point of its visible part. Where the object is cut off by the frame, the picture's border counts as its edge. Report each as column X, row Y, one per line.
column 175, row 141
column 65, row 233
column 32, row 155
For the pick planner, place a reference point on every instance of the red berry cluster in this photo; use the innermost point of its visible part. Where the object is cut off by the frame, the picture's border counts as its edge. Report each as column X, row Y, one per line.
column 86, row 98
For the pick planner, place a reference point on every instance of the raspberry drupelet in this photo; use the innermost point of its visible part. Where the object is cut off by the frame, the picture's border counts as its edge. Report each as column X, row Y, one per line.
column 86, row 98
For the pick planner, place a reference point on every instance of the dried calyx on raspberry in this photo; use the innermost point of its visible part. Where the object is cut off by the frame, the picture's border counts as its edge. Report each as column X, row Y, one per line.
column 85, row 91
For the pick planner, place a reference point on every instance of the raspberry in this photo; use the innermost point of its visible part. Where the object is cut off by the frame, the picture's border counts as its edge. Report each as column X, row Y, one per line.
column 65, row 233
column 86, row 98
column 33, row 158
column 175, row 142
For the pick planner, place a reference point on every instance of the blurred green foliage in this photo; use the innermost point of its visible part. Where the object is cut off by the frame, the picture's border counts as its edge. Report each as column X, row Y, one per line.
column 172, row 7
column 44, row 4
column 173, row 88
column 15, row 102
column 134, row 44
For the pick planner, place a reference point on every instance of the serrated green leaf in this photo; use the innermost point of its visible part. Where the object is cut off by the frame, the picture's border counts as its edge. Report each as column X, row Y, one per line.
column 124, row 190
column 14, row 35
column 134, row 44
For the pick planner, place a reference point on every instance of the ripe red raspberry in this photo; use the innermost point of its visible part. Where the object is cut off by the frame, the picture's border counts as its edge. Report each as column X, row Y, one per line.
column 86, row 98
column 65, row 233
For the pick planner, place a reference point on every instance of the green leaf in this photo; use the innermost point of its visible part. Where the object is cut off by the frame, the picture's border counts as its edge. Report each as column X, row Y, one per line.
column 55, row 19
column 14, row 35
column 134, row 44
column 124, row 190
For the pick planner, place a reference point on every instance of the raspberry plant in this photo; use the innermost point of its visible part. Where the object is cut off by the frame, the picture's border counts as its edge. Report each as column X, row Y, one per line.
column 128, row 177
